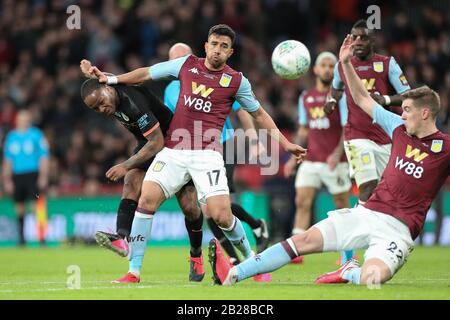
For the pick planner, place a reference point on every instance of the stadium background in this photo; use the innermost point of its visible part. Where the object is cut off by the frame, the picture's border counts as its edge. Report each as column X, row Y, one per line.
column 39, row 70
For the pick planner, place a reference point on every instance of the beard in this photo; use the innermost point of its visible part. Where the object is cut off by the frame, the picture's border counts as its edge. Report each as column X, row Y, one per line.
column 326, row 82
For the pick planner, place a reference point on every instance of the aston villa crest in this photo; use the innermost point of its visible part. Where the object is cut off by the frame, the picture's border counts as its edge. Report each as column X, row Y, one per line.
column 436, row 146
column 225, row 80
column 378, row 67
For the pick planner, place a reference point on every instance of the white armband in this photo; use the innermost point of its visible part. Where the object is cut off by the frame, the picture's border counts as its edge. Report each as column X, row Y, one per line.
column 331, row 99
column 112, row 80
column 387, row 99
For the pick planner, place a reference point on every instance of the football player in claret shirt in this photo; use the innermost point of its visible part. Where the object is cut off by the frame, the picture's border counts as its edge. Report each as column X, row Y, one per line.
column 208, row 88
column 367, row 146
column 387, row 224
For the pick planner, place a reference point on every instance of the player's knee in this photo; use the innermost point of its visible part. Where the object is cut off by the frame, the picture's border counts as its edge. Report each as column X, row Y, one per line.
column 303, row 203
column 221, row 216
column 375, row 274
column 308, row 241
column 131, row 190
column 146, row 202
column 191, row 210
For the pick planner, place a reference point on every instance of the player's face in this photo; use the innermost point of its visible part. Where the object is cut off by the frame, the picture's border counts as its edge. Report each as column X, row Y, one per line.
column 324, row 70
column 218, row 50
column 362, row 42
column 412, row 116
column 102, row 101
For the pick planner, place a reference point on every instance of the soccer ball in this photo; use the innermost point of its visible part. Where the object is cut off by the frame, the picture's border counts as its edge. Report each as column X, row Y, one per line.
column 291, row 59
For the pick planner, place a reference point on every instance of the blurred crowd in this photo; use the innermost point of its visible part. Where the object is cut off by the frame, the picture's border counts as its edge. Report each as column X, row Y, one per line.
column 39, row 62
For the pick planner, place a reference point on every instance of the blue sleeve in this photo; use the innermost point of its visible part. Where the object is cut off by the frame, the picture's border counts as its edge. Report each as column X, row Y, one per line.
column 386, row 119
column 397, row 78
column 236, row 106
column 337, row 81
column 42, row 145
column 302, row 116
column 167, row 70
column 171, row 94
column 343, row 110
column 245, row 96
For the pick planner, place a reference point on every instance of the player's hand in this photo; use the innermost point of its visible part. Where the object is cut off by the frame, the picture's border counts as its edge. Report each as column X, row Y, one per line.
column 297, row 151
column 116, row 172
column 8, row 186
column 97, row 73
column 289, row 167
column 378, row 99
column 346, row 52
column 329, row 107
column 332, row 161
column 85, row 66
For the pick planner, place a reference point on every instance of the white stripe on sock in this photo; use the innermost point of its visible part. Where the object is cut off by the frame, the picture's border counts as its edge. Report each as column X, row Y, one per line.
column 292, row 245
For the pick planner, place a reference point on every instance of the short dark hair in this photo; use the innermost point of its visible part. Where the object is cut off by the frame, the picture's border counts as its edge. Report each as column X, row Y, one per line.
column 424, row 97
column 223, row 30
column 360, row 24
column 89, row 86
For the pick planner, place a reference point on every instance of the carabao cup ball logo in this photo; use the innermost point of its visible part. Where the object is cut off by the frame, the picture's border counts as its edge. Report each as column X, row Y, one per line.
column 291, row 59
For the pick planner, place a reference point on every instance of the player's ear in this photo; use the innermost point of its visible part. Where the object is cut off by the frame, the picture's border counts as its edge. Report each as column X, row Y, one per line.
column 316, row 71
column 231, row 52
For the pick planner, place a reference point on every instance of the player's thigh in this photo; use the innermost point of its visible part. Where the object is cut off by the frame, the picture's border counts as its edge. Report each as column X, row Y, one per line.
column 338, row 180
column 152, row 196
column 382, row 155
column 361, row 159
column 206, row 167
column 169, row 171
column 187, row 199
column 345, row 229
column 308, row 175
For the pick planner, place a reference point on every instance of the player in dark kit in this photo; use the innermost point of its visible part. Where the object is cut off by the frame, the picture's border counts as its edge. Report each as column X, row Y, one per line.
column 148, row 119
column 387, row 224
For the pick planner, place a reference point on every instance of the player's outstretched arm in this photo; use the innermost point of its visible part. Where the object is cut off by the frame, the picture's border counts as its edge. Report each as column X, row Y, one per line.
column 265, row 121
column 154, row 144
column 359, row 94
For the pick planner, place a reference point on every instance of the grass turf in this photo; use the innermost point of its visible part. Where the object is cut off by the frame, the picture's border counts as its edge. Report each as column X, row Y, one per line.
column 41, row 273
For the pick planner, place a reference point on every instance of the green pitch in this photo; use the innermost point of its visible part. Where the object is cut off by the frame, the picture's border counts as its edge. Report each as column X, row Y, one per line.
column 35, row 273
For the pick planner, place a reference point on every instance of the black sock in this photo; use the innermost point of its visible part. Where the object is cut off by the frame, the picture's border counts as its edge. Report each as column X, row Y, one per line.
column 125, row 216
column 195, row 232
column 225, row 243
column 243, row 215
column 20, row 220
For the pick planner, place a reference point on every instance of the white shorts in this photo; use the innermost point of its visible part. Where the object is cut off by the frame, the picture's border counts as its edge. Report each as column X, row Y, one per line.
column 367, row 159
column 314, row 174
column 384, row 237
column 172, row 169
